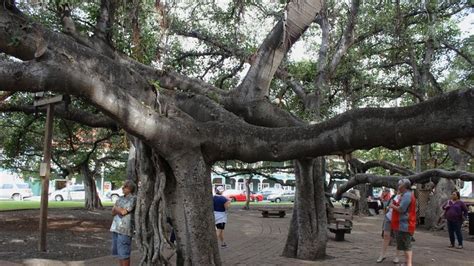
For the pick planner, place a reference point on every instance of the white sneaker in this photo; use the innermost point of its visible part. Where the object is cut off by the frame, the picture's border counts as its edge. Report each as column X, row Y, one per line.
column 396, row 260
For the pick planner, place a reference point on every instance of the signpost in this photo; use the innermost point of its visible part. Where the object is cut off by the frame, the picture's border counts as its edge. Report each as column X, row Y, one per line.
column 45, row 166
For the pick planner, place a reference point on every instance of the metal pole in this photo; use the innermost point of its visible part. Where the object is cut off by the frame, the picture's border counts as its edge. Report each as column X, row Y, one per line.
column 46, row 165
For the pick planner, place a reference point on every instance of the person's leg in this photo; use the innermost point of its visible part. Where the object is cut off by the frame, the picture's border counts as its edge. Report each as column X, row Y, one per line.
column 222, row 238
column 126, row 262
column 386, row 241
column 220, row 233
column 457, row 230
column 397, row 254
column 451, row 232
column 124, row 249
column 406, row 247
column 114, row 244
column 408, row 257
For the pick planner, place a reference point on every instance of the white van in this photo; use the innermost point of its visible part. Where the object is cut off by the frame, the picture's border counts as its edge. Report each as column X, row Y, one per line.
column 15, row 191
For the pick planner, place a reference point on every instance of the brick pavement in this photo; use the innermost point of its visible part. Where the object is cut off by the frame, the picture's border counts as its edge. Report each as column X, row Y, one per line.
column 254, row 240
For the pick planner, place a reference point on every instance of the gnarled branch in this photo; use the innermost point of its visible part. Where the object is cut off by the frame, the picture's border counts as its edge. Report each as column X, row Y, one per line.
column 392, row 181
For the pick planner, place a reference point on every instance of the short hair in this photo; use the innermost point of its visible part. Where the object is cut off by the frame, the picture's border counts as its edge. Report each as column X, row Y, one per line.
column 131, row 185
column 405, row 182
column 458, row 194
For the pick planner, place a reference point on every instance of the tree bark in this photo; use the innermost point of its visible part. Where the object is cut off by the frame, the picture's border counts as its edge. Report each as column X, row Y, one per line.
column 307, row 234
column 442, row 193
column 247, row 192
column 150, row 219
column 92, row 199
column 362, row 207
column 192, row 211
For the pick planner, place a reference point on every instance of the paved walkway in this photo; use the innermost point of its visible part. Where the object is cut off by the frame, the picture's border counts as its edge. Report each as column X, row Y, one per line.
column 254, row 240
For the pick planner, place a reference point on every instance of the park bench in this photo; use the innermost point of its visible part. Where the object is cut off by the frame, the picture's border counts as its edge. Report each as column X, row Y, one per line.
column 267, row 212
column 340, row 222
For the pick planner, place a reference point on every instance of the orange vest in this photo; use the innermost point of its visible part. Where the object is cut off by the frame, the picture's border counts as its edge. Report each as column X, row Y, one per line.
column 411, row 219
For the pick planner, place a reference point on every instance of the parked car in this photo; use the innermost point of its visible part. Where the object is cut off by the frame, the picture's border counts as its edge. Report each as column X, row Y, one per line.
column 15, row 191
column 74, row 192
column 114, row 194
column 240, row 195
column 285, row 195
column 268, row 191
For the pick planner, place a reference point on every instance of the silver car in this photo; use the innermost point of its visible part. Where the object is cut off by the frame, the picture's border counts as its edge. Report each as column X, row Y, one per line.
column 15, row 191
column 285, row 195
column 114, row 194
column 74, row 192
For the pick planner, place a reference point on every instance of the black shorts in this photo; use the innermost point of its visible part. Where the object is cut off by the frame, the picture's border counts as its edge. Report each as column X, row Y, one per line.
column 220, row 226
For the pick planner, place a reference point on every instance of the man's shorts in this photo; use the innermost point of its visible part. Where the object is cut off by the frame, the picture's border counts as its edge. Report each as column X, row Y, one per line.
column 220, row 226
column 403, row 241
column 121, row 246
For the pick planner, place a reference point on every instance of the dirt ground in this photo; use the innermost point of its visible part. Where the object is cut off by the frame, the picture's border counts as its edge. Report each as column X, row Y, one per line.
column 73, row 234
column 80, row 237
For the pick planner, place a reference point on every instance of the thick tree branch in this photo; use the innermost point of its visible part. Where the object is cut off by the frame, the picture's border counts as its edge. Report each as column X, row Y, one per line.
column 348, row 37
column 392, row 181
column 75, row 115
column 298, row 16
column 458, row 52
column 380, row 163
column 105, row 20
column 439, row 119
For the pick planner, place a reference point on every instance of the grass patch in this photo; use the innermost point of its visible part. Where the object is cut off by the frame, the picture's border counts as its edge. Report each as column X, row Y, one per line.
column 9, row 205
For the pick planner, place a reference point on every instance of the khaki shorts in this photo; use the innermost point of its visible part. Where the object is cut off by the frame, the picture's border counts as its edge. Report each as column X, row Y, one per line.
column 403, row 241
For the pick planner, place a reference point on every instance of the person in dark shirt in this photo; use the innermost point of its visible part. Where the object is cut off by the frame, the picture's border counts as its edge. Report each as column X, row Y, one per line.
column 455, row 213
column 221, row 204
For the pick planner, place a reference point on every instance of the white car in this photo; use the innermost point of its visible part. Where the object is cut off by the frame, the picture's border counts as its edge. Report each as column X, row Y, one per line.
column 15, row 191
column 114, row 194
column 74, row 192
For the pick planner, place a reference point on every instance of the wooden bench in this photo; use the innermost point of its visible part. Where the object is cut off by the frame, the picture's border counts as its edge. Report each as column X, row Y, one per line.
column 340, row 222
column 267, row 212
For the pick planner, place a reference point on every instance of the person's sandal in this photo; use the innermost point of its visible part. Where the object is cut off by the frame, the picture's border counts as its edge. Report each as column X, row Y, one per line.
column 380, row 259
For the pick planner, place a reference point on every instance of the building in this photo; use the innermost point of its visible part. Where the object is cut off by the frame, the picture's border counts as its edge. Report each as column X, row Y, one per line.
column 258, row 182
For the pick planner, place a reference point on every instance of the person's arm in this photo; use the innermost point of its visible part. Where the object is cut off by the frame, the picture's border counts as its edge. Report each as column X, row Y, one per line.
column 464, row 210
column 404, row 203
column 227, row 204
column 117, row 210
column 131, row 207
column 447, row 205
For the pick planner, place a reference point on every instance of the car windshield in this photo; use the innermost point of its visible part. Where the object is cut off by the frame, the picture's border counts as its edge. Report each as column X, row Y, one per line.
column 22, row 186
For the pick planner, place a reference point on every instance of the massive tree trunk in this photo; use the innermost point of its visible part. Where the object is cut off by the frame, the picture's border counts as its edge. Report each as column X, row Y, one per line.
column 442, row 193
column 178, row 190
column 150, row 219
column 362, row 207
column 120, row 87
column 192, row 211
column 307, row 235
column 92, row 199
column 247, row 192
